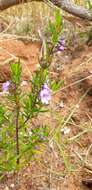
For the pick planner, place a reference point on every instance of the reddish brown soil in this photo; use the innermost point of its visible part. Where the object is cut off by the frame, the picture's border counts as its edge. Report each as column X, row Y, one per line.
column 46, row 174
column 13, row 49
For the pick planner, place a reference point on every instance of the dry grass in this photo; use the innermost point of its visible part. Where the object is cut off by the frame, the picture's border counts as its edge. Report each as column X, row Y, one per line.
column 23, row 20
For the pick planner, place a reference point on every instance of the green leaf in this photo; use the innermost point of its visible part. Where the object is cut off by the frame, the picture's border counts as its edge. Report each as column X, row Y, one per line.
column 52, row 28
column 16, row 71
column 56, row 85
column 2, row 112
column 58, row 18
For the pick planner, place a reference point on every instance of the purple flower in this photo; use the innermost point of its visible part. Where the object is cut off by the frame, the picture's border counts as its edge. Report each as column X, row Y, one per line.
column 45, row 94
column 61, row 41
column 5, row 86
column 60, row 45
column 60, row 48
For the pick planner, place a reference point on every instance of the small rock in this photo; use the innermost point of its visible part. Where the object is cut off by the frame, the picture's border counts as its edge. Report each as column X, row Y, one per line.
column 12, row 185
column 77, row 106
column 24, row 83
column 65, row 130
column 61, row 105
column 6, row 188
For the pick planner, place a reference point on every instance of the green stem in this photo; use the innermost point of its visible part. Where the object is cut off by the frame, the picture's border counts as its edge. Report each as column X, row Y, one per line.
column 17, row 125
column 17, row 133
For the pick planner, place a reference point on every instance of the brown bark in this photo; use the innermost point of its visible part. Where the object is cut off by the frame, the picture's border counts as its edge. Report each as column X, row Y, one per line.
column 73, row 9
column 66, row 5
column 4, row 4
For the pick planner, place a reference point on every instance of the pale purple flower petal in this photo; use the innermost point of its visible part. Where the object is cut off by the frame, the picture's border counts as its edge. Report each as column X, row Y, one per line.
column 60, row 45
column 62, row 42
column 45, row 94
column 5, row 86
column 61, row 48
column 45, row 86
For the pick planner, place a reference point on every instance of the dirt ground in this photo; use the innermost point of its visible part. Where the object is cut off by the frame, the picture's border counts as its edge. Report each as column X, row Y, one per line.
column 75, row 68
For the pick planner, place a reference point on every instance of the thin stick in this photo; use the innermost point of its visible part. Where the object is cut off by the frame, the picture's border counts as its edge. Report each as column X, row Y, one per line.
column 85, row 164
column 79, row 134
column 72, row 84
column 88, row 151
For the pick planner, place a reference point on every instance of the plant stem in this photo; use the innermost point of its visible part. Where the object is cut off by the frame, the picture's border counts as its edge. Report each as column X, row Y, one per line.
column 17, row 125
column 17, row 133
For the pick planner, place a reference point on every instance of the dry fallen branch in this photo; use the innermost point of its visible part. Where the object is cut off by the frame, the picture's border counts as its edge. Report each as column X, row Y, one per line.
column 66, row 5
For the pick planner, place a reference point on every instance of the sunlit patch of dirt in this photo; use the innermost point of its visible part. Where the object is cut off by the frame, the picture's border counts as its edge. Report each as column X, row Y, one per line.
column 13, row 49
